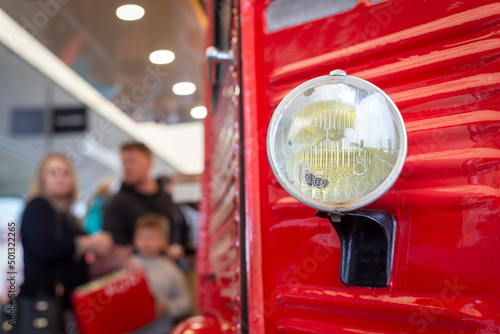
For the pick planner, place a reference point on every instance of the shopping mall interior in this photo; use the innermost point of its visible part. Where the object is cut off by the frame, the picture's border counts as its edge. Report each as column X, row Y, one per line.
column 82, row 78
column 79, row 61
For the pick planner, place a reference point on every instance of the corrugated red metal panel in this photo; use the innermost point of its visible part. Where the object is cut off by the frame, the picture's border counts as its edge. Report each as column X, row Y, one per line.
column 219, row 251
column 439, row 61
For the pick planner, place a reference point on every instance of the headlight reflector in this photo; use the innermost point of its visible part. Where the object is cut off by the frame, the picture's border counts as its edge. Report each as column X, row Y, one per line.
column 336, row 142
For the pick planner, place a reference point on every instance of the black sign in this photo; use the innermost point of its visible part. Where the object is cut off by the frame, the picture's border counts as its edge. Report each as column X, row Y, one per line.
column 69, row 120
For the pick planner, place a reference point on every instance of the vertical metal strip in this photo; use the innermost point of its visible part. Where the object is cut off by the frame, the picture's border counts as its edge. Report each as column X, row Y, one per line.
column 243, row 266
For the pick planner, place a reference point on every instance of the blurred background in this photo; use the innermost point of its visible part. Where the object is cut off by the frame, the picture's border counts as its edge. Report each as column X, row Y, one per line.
column 81, row 77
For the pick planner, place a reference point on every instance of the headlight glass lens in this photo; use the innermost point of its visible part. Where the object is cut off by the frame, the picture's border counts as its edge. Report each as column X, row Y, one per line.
column 336, row 143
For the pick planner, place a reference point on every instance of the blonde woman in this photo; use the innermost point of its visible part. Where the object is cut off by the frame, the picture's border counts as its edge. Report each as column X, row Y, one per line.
column 53, row 241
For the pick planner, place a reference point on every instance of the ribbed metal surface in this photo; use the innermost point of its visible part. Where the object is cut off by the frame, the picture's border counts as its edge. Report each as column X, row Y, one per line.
column 219, row 249
column 443, row 72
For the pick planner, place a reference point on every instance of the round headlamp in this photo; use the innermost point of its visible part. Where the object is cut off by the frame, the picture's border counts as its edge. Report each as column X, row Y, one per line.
column 336, row 143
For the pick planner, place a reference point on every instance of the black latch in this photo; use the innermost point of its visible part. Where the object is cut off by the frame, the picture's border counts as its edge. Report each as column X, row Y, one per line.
column 367, row 240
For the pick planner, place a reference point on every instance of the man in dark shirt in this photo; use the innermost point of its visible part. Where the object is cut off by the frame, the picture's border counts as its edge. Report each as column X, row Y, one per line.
column 140, row 194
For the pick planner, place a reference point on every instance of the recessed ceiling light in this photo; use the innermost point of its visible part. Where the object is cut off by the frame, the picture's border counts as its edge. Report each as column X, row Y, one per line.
column 199, row 112
column 161, row 57
column 184, row 88
column 130, row 12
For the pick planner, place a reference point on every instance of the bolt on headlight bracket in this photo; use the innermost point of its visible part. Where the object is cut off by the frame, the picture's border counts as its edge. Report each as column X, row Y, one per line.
column 367, row 240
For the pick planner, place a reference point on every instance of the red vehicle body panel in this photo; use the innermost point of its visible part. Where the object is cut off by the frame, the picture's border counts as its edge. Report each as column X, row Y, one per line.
column 439, row 62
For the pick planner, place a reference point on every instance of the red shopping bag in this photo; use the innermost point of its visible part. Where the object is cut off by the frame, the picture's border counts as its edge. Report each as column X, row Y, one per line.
column 114, row 304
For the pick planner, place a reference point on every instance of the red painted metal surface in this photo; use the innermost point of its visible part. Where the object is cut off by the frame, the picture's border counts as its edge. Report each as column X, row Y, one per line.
column 218, row 257
column 199, row 325
column 439, row 62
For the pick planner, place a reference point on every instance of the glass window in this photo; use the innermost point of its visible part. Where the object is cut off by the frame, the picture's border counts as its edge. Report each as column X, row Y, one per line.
column 286, row 13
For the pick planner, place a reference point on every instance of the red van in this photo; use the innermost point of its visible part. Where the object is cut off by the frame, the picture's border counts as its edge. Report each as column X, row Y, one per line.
column 317, row 219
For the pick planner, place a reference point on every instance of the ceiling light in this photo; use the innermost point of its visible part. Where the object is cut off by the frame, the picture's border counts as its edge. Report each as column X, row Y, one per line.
column 199, row 112
column 130, row 12
column 161, row 57
column 184, row 88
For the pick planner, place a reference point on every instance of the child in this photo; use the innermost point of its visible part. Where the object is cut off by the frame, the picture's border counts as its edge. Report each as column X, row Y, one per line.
column 166, row 281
